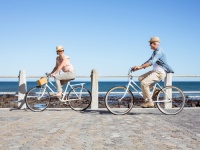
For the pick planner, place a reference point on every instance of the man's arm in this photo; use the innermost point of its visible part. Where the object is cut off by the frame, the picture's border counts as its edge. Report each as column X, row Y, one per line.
column 157, row 54
column 149, row 62
column 145, row 65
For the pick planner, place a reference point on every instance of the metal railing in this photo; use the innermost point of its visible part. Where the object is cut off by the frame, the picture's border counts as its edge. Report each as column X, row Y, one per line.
column 174, row 76
column 94, row 85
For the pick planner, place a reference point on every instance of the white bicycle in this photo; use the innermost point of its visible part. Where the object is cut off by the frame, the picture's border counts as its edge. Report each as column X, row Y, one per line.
column 169, row 99
column 38, row 98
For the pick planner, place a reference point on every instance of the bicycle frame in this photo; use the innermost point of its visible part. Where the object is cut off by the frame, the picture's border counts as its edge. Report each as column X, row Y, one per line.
column 46, row 86
column 132, row 84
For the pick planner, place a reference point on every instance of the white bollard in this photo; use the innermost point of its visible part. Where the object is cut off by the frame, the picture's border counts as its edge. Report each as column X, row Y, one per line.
column 22, row 90
column 168, row 82
column 94, row 89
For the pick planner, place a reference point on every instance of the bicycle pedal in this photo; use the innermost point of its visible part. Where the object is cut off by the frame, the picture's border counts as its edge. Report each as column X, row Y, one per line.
column 66, row 104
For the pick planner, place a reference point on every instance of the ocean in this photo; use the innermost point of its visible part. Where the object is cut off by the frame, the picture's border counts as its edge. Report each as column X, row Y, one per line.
column 104, row 86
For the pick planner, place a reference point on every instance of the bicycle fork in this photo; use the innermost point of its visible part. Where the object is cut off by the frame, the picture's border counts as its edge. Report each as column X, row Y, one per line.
column 44, row 89
column 127, row 88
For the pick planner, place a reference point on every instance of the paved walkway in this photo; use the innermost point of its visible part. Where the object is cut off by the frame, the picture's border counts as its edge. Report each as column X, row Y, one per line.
column 99, row 130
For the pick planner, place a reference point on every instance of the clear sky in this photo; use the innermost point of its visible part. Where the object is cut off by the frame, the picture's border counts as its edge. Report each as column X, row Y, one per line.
column 107, row 35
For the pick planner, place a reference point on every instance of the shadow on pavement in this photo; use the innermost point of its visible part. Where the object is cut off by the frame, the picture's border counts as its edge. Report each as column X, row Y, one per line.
column 100, row 111
column 106, row 112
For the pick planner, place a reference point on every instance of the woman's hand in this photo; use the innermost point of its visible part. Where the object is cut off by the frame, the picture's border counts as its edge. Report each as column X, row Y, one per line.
column 53, row 75
column 49, row 74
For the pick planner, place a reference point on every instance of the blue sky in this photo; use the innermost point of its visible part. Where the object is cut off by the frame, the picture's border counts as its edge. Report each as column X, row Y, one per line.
column 107, row 35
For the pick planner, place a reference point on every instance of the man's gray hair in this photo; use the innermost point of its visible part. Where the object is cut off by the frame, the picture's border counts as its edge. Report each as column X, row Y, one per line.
column 157, row 43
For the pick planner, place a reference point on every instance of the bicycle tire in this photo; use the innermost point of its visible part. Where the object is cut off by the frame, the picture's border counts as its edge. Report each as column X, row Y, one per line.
column 176, row 103
column 76, row 103
column 115, row 104
column 34, row 101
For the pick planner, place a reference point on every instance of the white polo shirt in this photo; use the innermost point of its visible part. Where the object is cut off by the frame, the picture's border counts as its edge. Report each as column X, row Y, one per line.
column 156, row 67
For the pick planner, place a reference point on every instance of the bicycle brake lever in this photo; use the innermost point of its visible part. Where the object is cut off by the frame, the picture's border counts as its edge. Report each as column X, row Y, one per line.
column 130, row 71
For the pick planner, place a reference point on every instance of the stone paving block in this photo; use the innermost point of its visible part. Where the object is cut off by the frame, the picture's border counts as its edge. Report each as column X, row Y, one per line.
column 99, row 129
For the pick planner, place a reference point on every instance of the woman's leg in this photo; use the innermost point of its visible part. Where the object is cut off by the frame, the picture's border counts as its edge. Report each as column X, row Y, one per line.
column 63, row 78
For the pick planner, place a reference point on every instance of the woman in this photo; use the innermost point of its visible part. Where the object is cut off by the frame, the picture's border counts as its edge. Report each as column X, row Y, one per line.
column 62, row 63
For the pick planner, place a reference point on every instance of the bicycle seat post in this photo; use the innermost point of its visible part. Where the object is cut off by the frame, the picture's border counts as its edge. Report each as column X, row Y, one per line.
column 65, row 91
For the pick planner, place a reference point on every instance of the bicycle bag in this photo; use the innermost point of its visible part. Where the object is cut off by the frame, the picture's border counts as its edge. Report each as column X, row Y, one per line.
column 42, row 81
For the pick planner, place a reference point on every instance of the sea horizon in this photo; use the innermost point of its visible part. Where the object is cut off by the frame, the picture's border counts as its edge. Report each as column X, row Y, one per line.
column 191, row 88
column 12, row 86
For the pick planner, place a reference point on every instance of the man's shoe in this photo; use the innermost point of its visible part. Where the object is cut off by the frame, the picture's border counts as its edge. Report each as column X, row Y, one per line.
column 147, row 105
column 155, row 93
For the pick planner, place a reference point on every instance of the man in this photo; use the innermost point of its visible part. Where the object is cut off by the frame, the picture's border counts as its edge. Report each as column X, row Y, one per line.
column 160, row 68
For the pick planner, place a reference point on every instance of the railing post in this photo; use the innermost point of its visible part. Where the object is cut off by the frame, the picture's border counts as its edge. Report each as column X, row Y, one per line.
column 168, row 82
column 22, row 90
column 94, row 89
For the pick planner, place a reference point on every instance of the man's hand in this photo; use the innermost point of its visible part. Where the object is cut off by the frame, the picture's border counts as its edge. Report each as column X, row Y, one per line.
column 135, row 68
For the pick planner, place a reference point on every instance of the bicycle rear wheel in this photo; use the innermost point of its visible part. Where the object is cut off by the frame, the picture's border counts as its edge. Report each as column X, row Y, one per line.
column 79, row 98
column 37, row 98
column 119, row 101
column 170, row 100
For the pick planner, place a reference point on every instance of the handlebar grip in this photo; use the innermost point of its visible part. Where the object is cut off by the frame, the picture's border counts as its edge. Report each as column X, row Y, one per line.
column 130, row 70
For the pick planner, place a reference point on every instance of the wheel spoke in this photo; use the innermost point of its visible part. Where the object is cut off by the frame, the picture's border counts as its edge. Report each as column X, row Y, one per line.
column 37, row 99
column 119, row 101
column 79, row 98
column 170, row 100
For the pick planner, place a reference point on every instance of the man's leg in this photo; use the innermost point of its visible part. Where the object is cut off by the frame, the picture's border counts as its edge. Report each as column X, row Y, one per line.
column 146, row 82
column 144, row 85
column 140, row 78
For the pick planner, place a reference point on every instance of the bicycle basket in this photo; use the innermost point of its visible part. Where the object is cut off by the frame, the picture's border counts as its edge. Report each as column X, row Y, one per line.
column 42, row 81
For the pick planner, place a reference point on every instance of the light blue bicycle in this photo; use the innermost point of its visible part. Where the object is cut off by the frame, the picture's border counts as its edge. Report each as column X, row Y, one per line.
column 120, row 100
column 39, row 97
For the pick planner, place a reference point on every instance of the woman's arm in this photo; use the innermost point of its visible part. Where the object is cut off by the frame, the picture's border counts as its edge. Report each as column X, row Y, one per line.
column 54, row 69
column 59, row 67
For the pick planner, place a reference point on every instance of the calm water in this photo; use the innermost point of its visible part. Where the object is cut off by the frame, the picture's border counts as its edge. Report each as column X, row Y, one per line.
column 12, row 86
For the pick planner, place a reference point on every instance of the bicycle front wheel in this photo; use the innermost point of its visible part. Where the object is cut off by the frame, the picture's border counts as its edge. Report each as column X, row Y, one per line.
column 119, row 100
column 37, row 98
column 170, row 100
column 79, row 98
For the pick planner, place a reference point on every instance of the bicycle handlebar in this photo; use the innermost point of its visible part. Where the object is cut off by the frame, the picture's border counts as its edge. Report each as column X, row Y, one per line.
column 129, row 71
column 47, row 75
